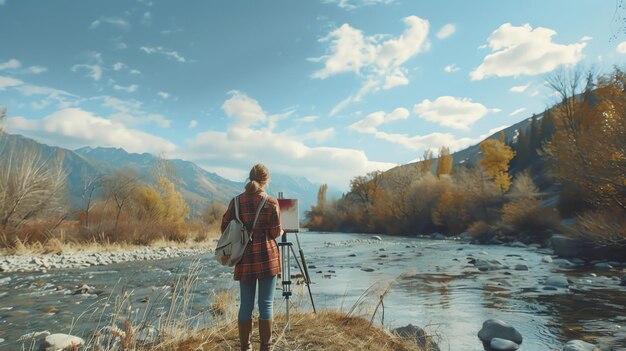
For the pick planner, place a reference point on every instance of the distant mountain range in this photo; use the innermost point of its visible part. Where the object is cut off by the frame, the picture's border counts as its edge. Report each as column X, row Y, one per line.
column 198, row 186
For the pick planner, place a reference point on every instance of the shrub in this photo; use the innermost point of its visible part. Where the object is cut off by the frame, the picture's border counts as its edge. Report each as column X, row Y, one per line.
column 527, row 217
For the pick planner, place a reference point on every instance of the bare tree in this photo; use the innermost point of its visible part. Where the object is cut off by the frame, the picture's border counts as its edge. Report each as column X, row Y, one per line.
column 119, row 188
column 31, row 186
column 90, row 184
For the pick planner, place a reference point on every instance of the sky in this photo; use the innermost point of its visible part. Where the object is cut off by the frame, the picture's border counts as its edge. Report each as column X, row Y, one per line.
column 324, row 89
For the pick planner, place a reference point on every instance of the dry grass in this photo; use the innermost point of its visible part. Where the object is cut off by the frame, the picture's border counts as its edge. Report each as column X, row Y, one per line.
column 326, row 330
column 54, row 245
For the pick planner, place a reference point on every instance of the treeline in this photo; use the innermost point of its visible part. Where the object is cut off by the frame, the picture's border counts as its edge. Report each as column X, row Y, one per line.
column 120, row 207
column 574, row 152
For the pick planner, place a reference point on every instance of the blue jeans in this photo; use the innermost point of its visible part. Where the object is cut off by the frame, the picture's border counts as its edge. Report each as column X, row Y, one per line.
column 247, row 290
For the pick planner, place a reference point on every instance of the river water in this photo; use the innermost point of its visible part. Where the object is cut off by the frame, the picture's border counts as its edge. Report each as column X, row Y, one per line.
column 429, row 283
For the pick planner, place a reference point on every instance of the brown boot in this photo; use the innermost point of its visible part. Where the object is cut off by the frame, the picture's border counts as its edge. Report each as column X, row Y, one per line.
column 265, row 334
column 245, row 327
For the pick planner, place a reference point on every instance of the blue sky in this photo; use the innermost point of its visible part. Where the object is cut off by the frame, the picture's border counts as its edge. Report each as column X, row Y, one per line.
column 325, row 89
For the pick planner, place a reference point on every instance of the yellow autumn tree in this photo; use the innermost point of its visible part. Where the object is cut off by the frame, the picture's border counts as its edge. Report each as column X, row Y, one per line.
column 445, row 162
column 589, row 143
column 175, row 206
column 496, row 157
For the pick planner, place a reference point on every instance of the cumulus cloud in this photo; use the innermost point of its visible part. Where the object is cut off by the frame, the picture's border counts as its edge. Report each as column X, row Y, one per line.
column 249, row 139
column 621, row 47
column 7, row 82
column 131, row 112
column 371, row 122
column 193, row 124
column 518, row 111
column 451, row 68
column 50, row 95
column 519, row 88
column 129, row 89
column 452, row 112
column 525, row 51
column 163, row 94
column 73, row 128
column 171, row 54
column 446, row 31
column 377, row 59
column 11, row 64
column 93, row 71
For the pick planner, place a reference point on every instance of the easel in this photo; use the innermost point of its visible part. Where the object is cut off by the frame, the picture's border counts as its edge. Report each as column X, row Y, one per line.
column 286, row 249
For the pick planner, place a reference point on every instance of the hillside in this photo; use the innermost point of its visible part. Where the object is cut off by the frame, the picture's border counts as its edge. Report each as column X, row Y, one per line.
column 199, row 186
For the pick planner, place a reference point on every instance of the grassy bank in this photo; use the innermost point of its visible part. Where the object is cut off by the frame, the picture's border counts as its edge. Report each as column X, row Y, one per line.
column 327, row 330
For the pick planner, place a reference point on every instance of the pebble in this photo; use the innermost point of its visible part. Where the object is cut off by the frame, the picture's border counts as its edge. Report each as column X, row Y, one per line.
column 546, row 259
column 46, row 263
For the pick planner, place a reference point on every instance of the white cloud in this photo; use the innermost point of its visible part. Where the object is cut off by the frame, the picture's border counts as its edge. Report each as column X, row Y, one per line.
column 621, row 47
column 61, row 97
column 163, row 94
column 95, row 71
column 129, row 89
column 113, row 21
column 37, row 69
column 7, row 82
column 146, row 19
column 249, row 140
column 193, row 124
column 586, row 38
column 355, row 4
column 11, row 64
column 118, row 66
column 308, row 119
column 519, row 88
column 518, row 111
column 73, row 128
column 245, row 111
column 452, row 112
column 371, row 122
column 171, row 54
column 377, row 58
column 446, row 31
column 525, row 51
column 130, row 119
column 134, row 71
column 451, row 68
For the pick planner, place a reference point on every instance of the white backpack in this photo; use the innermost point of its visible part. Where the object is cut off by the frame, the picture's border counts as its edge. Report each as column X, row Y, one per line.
column 233, row 242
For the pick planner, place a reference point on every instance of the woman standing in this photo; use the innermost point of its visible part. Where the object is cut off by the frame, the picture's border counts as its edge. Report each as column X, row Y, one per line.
column 260, row 263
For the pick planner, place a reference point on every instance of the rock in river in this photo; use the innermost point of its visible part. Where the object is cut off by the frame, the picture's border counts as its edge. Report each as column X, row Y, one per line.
column 56, row 342
column 498, row 344
column 578, row 345
column 495, row 328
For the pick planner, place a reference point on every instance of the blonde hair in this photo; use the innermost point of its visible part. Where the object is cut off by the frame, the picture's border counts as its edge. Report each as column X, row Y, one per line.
column 259, row 176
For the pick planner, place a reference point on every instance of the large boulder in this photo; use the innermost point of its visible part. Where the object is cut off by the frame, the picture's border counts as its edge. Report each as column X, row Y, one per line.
column 58, row 342
column 578, row 345
column 495, row 328
column 498, row 344
column 567, row 247
column 423, row 340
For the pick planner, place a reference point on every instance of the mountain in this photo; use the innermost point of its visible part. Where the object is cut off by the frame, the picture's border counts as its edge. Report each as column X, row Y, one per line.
column 198, row 186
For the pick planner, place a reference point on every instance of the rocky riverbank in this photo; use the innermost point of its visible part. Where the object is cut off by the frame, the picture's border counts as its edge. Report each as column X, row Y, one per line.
column 83, row 259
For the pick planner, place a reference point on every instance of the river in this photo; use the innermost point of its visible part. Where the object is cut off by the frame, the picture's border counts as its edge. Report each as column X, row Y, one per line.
column 431, row 283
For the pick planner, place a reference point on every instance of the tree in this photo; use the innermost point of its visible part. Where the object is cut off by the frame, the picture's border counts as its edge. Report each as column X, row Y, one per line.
column 445, row 162
column 212, row 214
column 367, row 187
column 119, row 187
column 31, row 186
column 90, row 184
column 496, row 162
column 175, row 207
column 426, row 165
column 589, row 142
column 321, row 196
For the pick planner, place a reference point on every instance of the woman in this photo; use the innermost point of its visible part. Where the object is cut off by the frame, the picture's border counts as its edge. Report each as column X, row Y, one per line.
column 260, row 263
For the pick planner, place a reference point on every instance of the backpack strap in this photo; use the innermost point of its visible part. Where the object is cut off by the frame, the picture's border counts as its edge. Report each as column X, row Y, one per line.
column 237, row 209
column 258, row 211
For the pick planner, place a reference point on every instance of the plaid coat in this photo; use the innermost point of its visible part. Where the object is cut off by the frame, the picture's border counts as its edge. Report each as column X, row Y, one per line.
column 261, row 257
